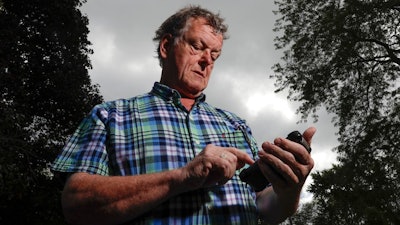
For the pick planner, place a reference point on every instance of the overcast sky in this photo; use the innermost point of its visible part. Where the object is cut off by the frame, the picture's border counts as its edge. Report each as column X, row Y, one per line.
column 125, row 64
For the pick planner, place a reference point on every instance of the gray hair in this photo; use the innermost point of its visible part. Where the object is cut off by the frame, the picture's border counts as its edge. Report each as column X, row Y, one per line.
column 177, row 23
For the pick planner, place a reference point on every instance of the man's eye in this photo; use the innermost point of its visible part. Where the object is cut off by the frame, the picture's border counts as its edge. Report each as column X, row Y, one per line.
column 214, row 55
column 196, row 47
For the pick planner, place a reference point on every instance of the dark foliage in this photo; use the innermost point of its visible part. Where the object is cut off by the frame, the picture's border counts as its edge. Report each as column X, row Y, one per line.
column 45, row 91
column 344, row 55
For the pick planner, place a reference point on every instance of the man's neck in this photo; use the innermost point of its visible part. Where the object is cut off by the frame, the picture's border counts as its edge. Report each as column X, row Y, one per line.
column 188, row 103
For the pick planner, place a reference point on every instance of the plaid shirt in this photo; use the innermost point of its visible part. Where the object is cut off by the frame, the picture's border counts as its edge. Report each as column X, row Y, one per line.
column 154, row 132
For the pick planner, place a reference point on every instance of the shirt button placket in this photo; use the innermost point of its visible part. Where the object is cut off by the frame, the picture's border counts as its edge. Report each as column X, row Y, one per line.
column 194, row 130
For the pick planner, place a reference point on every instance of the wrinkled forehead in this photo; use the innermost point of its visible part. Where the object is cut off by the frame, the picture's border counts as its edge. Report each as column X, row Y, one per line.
column 200, row 24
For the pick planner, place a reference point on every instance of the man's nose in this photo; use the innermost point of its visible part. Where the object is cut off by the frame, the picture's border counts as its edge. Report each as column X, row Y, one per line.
column 206, row 59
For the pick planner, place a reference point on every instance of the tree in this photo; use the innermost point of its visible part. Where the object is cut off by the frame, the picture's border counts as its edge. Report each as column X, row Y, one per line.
column 45, row 91
column 307, row 212
column 344, row 55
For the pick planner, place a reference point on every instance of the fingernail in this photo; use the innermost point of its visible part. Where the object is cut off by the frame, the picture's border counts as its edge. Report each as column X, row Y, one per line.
column 278, row 141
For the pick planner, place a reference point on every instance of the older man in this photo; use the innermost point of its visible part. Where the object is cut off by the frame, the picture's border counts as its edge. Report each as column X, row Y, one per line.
column 168, row 157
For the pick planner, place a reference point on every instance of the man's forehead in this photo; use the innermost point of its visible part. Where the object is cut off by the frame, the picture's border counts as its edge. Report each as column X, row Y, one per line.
column 200, row 21
column 201, row 25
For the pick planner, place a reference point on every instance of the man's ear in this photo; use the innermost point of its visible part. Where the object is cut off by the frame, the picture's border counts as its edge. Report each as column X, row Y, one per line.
column 166, row 44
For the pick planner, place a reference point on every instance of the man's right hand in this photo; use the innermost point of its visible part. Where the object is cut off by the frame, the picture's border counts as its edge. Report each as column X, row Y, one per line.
column 214, row 166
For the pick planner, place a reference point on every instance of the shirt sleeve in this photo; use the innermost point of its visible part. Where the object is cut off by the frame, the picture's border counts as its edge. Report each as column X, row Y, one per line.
column 86, row 151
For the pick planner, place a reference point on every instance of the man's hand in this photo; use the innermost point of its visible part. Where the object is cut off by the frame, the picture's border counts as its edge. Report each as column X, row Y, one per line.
column 286, row 164
column 214, row 166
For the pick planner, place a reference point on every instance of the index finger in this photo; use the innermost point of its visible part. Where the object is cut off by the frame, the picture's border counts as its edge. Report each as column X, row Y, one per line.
column 242, row 157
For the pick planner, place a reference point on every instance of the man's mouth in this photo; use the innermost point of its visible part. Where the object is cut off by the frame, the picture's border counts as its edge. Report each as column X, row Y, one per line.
column 200, row 73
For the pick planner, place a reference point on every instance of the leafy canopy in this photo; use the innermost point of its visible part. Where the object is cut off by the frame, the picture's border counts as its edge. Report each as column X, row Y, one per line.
column 344, row 55
column 336, row 50
column 45, row 91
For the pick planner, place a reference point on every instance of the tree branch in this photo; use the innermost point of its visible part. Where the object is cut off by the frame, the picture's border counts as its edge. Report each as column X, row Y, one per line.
column 391, row 52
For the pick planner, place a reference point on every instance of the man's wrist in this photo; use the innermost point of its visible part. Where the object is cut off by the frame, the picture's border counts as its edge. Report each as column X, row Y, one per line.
column 277, row 208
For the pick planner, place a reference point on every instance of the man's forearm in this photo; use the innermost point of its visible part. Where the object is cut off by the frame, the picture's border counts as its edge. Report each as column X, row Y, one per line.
column 95, row 199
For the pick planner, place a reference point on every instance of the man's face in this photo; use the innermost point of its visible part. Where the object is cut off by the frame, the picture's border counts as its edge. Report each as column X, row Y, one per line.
column 188, row 64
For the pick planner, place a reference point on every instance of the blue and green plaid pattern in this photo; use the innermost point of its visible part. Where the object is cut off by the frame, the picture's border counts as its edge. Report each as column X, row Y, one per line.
column 153, row 133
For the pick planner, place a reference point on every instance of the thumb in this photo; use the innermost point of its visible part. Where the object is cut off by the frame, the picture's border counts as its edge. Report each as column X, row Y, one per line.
column 309, row 133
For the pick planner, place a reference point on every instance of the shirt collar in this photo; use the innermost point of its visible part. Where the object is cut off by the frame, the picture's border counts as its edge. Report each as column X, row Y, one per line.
column 170, row 94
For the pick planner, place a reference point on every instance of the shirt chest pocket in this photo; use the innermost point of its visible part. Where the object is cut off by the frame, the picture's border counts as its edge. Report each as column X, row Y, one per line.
column 233, row 138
